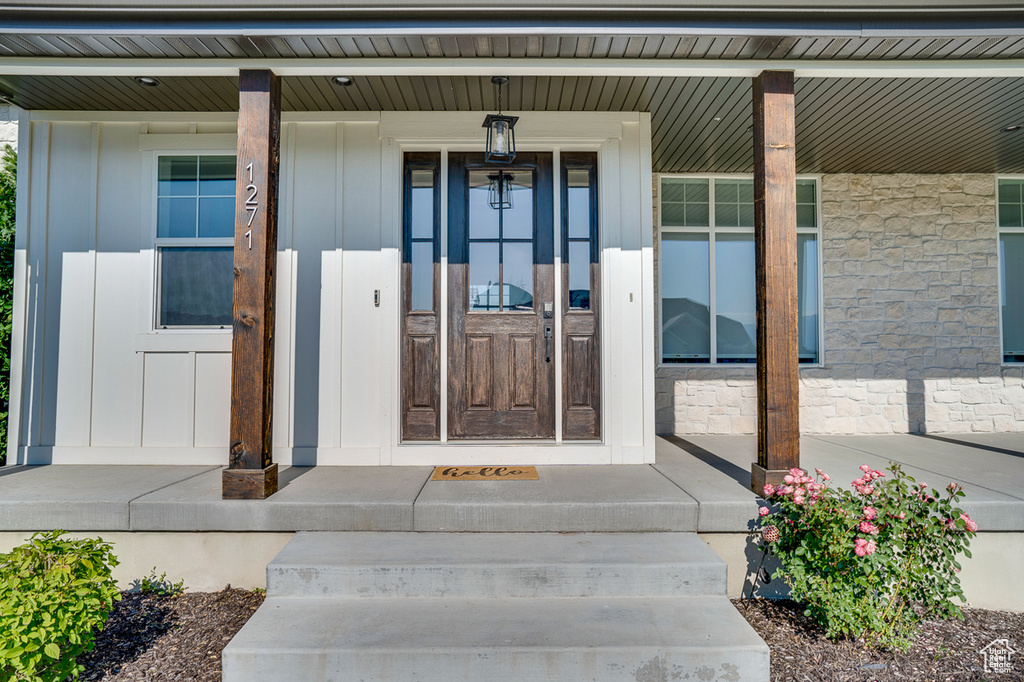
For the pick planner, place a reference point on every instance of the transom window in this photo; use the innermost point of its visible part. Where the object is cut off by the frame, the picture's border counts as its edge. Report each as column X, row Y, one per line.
column 194, row 240
column 1011, row 267
column 707, row 269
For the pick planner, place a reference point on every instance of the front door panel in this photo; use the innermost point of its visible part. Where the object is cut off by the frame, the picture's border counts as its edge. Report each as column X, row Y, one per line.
column 500, row 298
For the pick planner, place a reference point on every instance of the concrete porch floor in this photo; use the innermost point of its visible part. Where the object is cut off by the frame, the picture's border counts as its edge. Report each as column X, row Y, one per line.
column 699, row 483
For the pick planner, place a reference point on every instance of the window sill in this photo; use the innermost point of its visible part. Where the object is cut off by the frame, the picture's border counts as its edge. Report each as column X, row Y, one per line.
column 184, row 341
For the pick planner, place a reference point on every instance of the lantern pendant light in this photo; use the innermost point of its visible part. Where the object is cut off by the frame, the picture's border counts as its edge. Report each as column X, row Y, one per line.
column 499, row 190
column 501, row 139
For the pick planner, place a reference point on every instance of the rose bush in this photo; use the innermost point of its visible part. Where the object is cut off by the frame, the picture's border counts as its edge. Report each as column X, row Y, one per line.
column 870, row 562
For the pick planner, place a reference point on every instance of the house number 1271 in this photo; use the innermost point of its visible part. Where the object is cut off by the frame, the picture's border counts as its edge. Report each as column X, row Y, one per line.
column 251, row 205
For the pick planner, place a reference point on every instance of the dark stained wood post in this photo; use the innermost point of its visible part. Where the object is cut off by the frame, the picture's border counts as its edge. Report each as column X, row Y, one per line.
column 251, row 473
column 778, row 387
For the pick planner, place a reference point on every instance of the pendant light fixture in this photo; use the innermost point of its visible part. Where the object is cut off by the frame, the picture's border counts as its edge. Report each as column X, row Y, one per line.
column 501, row 138
column 499, row 191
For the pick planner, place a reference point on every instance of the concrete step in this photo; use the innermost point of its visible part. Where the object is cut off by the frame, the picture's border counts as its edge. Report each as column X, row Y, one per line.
column 460, row 639
column 496, row 565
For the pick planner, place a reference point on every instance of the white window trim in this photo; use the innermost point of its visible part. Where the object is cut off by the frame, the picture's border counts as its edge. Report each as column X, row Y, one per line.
column 1000, row 230
column 713, row 229
column 160, row 243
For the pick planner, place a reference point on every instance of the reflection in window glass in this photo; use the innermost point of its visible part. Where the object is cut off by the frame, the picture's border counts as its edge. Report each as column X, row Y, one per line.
column 517, row 219
column 685, row 297
column 578, row 238
column 501, row 236
column 685, row 263
column 685, row 202
column 734, row 203
column 422, row 276
column 217, row 176
column 483, row 218
column 420, row 233
column 806, row 204
column 484, row 279
column 196, row 286
column 195, row 197
column 1011, row 203
column 421, row 209
column 578, row 192
column 517, row 275
column 736, row 315
column 579, row 275
column 196, row 208
column 807, row 296
column 217, row 217
column 1011, row 294
column 176, row 217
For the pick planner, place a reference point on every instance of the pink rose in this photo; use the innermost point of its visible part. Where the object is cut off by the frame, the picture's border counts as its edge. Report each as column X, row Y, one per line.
column 763, row 511
column 871, row 547
column 769, row 490
column 860, row 547
column 796, row 472
column 788, row 478
column 971, row 525
column 870, row 513
column 865, row 468
column 868, row 527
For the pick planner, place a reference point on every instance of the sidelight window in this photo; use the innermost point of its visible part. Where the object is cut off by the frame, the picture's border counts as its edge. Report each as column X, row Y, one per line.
column 194, row 240
column 707, row 270
column 422, row 222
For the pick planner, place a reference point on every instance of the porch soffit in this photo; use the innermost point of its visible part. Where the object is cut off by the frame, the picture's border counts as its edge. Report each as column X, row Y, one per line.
column 895, row 42
column 699, row 124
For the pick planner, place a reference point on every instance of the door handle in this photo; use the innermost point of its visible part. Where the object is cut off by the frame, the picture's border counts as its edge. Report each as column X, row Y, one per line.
column 547, row 343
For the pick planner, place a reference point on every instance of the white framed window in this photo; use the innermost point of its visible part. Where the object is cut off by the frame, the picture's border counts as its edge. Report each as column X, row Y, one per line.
column 706, row 265
column 195, row 224
column 1010, row 223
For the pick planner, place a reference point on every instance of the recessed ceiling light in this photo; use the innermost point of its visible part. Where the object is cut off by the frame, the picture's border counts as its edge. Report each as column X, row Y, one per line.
column 342, row 80
column 147, row 81
column 1010, row 129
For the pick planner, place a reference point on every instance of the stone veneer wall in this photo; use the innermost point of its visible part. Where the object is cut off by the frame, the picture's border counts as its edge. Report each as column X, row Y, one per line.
column 8, row 126
column 911, row 321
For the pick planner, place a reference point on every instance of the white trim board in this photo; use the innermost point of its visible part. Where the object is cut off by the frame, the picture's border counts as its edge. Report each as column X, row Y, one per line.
column 487, row 67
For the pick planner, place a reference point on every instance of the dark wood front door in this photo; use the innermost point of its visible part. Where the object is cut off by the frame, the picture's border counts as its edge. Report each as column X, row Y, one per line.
column 501, row 343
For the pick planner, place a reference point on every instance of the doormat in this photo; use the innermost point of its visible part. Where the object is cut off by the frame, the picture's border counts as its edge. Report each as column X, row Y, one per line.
column 485, row 474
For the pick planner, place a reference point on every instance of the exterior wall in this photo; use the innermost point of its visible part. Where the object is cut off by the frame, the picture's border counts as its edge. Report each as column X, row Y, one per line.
column 95, row 382
column 9, row 125
column 911, row 318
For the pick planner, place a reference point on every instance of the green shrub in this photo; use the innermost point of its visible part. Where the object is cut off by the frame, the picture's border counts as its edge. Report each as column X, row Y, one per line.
column 869, row 562
column 55, row 596
column 159, row 585
column 8, row 167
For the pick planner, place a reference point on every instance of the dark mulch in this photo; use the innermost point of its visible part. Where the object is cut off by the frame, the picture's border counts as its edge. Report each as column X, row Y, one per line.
column 149, row 637
column 943, row 649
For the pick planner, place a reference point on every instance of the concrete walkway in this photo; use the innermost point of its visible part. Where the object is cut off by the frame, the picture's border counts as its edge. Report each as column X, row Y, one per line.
column 699, row 483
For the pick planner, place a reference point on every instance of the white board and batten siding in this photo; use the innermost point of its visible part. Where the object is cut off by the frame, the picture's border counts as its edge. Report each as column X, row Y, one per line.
column 93, row 380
